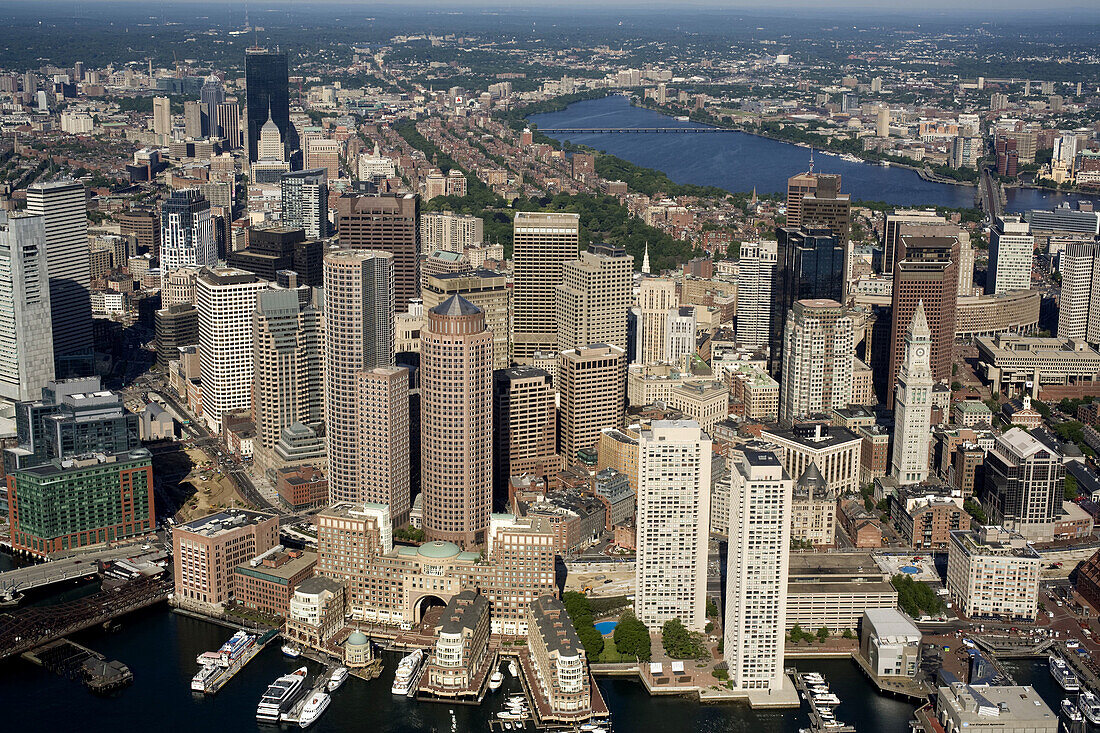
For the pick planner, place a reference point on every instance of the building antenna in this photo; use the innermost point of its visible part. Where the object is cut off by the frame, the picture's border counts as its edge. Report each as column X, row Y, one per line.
column 811, row 159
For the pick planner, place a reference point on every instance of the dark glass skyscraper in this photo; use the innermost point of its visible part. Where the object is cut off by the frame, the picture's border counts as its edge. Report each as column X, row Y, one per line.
column 266, row 89
column 809, row 264
column 212, row 94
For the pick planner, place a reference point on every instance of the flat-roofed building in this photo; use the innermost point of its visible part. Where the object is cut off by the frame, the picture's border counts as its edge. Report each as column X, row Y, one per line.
column 205, row 552
column 834, row 590
column 542, row 244
column 835, row 451
column 707, row 403
column 486, row 289
column 993, row 573
column 266, row 583
column 992, row 709
column 592, row 383
column 1013, row 363
column 890, row 642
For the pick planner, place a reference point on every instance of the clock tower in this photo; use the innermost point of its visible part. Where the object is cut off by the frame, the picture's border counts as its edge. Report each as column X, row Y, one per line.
column 913, row 404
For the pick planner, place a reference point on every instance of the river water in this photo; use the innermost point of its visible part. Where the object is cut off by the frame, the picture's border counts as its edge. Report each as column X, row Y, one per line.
column 160, row 648
column 737, row 161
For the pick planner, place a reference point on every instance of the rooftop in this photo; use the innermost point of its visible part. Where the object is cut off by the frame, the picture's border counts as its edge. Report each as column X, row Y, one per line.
column 219, row 523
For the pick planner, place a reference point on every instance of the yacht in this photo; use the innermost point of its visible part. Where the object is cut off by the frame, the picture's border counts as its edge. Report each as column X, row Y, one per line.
column 313, row 709
column 292, row 652
column 506, row 715
column 496, row 680
column 1071, row 712
column 827, row 699
column 513, row 669
column 406, row 672
column 813, row 678
column 1062, row 674
column 338, row 677
column 280, row 696
column 1089, row 705
column 204, row 677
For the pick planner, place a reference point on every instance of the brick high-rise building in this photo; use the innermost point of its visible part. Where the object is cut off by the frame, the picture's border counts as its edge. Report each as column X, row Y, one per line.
column 542, row 243
column 388, row 223
column 144, row 227
column 929, row 274
column 456, row 423
column 359, row 334
column 383, row 407
column 592, row 385
column 524, row 424
column 803, row 184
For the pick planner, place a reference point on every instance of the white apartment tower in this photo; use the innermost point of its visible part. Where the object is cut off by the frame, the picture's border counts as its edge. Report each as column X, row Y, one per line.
column 225, row 299
column 26, row 339
column 756, row 268
column 1011, row 254
column 1079, row 303
column 756, row 571
column 541, row 245
column 594, row 297
column 913, row 404
column 673, row 522
column 449, row 232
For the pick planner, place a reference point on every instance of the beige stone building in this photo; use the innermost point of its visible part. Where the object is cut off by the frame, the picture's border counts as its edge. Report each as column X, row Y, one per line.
column 593, row 298
column 524, row 424
column 541, row 245
column 707, row 403
column 591, row 383
column 383, row 405
column 486, row 289
column 656, row 297
column 993, row 573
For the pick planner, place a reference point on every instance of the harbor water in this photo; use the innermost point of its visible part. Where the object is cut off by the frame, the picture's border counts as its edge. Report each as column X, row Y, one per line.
column 160, row 648
column 738, row 161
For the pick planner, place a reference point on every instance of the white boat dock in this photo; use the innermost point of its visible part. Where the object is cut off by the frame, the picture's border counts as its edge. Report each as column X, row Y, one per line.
column 817, row 722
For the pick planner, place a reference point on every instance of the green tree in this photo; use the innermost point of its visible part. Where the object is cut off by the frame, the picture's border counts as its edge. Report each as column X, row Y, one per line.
column 915, row 597
column 1070, row 490
column 822, row 634
column 712, row 609
column 974, row 509
column 848, row 634
column 679, row 643
column 632, row 637
column 592, row 641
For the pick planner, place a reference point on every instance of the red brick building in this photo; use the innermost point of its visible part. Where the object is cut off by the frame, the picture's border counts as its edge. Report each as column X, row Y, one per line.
column 267, row 583
column 301, row 487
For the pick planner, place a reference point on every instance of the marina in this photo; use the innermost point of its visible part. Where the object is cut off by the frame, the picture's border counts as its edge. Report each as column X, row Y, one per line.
column 218, row 667
column 814, row 689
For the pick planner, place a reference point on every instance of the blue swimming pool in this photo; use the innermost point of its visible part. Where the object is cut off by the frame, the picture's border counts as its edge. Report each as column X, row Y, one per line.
column 606, row 627
column 911, row 570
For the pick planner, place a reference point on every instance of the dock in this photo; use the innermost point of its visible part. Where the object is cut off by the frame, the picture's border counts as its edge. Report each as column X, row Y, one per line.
column 238, row 664
column 70, row 660
column 902, row 687
column 817, row 722
column 294, row 715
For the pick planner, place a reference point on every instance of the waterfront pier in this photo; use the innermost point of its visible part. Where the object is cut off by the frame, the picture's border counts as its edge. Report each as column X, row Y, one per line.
column 68, row 659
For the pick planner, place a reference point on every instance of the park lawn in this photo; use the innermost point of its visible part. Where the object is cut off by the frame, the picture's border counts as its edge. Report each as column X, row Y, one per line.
column 610, row 653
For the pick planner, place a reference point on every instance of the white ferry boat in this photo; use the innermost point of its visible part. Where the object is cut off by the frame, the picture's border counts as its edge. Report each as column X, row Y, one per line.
column 289, row 651
column 1071, row 712
column 338, row 677
column 496, row 680
column 280, row 696
column 406, row 671
column 1089, row 706
column 1062, row 674
column 204, row 677
column 313, row 708
column 229, row 652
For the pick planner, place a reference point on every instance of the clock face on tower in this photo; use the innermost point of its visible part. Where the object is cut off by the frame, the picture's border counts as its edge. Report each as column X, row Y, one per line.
column 920, row 351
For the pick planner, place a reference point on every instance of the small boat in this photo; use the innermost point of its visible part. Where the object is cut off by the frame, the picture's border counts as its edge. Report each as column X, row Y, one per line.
column 829, row 699
column 813, row 678
column 338, row 677
column 313, row 709
column 588, row 726
column 506, row 715
column 496, row 681
column 513, row 669
column 1089, row 705
column 1071, row 712
column 292, row 652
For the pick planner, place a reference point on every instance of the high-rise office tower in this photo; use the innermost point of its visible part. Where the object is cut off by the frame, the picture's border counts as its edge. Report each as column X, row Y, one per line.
column 304, row 197
column 286, row 352
column 228, row 116
column 754, row 292
column 656, row 298
column 966, row 265
column 192, row 119
column 756, row 571
column 211, row 95
column 818, row 350
column 456, row 423
column 826, row 206
column 387, row 223
column 144, row 226
column 1024, row 477
column 1011, row 255
column 541, row 244
column 673, row 524
column 809, row 265
column 928, row 274
column 272, row 248
column 679, row 334
column 593, row 298
column 26, row 338
column 450, row 232
column 912, row 222
column 359, row 333
column 268, row 96
column 383, row 407
column 524, row 424
column 592, row 385
column 803, row 184
column 324, row 154
column 64, row 207
column 486, row 289
column 162, row 120
column 913, row 404
column 187, row 231
column 225, row 299
column 1079, row 302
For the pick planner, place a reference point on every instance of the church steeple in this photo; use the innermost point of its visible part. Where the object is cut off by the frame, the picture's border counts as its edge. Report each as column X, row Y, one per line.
column 645, row 260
